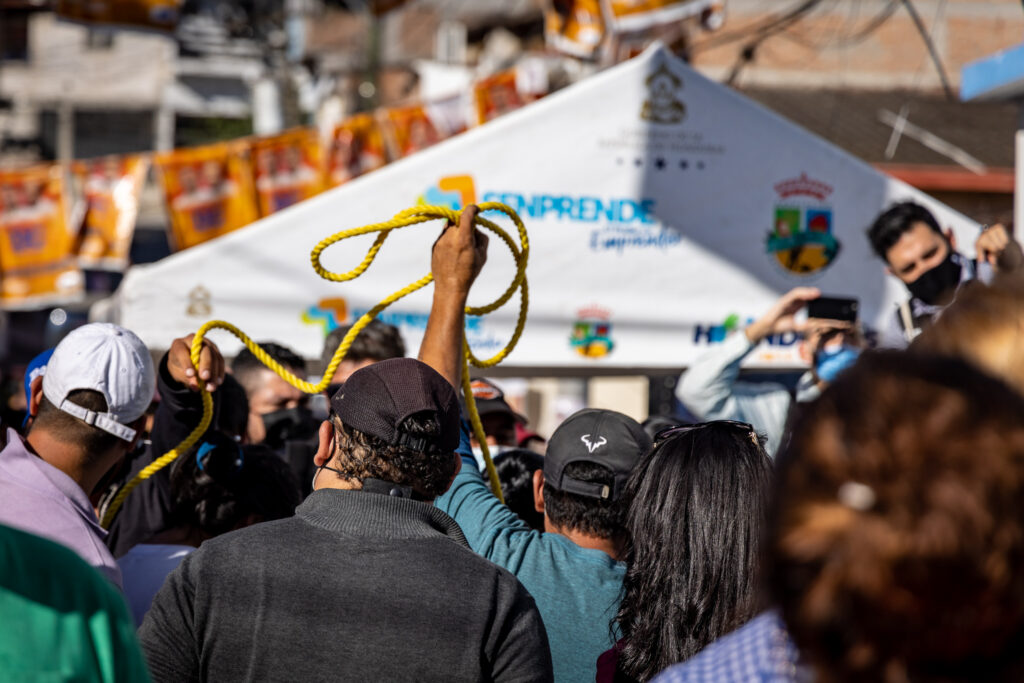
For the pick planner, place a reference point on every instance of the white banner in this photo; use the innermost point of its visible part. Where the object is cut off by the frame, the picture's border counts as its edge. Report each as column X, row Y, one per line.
column 664, row 210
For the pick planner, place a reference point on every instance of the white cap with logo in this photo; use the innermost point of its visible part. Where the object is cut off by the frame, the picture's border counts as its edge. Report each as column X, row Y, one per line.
column 111, row 360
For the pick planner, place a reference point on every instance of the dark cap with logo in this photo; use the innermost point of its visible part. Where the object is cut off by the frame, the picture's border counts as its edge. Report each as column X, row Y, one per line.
column 602, row 437
column 376, row 400
column 490, row 400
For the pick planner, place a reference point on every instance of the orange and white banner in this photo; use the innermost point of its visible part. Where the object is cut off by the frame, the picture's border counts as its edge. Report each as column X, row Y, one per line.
column 37, row 266
column 288, row 169
column 575, row 27
column 411, row 129
column 638, row 15
column 209, row 191
column 111, row 187
column 357, row 147
column 159, row 15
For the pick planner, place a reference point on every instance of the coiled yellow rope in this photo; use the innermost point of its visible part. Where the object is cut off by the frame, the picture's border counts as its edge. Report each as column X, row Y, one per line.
column 413, row 216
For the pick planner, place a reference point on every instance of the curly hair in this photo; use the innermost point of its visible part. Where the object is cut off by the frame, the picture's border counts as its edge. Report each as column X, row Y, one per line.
column 697, row 507
column 897, row 541
column 361, row 456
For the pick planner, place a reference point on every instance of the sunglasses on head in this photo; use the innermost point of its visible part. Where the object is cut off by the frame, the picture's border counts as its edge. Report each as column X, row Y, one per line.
column 666, row 434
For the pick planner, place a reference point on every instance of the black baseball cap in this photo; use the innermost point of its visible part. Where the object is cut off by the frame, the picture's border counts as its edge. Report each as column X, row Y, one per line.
column 490, row 400
column 376, row 400
column 602, row 437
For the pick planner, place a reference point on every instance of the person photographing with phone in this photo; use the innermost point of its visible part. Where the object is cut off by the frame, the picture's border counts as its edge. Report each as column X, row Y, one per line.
column 924, row 258
column 711, row 388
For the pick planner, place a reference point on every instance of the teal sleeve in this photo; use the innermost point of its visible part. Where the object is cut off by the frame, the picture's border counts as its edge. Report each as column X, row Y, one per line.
column 492, row 529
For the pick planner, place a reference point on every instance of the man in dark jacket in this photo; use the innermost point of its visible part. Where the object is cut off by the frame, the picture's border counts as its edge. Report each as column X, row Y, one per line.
column 146, row 511
column 369, row 581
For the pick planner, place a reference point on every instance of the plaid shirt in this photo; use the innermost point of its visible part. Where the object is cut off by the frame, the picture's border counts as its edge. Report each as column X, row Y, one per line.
column 760, row 650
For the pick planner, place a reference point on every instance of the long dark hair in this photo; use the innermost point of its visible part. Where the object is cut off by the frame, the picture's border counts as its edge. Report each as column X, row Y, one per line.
column 697, row 506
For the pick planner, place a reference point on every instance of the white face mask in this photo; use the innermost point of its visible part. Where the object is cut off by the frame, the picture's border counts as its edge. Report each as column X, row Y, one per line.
column 495, row 451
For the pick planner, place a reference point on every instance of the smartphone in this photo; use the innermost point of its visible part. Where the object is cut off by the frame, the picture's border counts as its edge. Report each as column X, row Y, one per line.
column 833, row 308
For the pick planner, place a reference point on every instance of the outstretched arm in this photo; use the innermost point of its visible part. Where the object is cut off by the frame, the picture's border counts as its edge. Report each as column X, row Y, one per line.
column 459, row 254
column 707, row 388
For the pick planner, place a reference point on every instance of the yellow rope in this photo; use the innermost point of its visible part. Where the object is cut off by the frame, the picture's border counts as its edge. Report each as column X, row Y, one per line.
column 413, row 216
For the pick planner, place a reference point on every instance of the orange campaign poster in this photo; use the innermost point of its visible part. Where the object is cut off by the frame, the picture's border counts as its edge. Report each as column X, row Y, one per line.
column 37, row 267
column 357, row 147
column 498, row 95
column 411, row 130
column 289, row 168
column 159, row 15
column 636, row 15
column 502, row 93
column 111, row 187
column 209, row 191
column 575, row 27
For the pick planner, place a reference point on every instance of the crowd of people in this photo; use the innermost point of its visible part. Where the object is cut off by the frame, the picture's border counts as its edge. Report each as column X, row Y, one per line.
column 862, row 527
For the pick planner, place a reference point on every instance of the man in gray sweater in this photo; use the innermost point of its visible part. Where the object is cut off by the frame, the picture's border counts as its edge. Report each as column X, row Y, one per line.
column 369, row 581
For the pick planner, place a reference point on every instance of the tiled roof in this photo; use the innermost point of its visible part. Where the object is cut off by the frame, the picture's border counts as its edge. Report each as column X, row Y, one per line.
column 850, row 119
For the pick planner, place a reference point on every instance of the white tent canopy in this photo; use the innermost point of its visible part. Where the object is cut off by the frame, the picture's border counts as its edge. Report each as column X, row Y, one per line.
column 664, row 209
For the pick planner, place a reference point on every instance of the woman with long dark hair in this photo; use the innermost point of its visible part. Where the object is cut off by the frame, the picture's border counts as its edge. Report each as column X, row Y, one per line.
column 696, row 514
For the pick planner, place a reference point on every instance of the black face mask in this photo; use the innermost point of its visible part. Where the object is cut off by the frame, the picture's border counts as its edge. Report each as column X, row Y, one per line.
column 932, row 285
column 291, row 424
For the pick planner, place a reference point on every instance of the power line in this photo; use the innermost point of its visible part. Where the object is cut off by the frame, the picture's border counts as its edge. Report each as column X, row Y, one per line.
column 853, row 39
column 926, row 37
column 768, row 28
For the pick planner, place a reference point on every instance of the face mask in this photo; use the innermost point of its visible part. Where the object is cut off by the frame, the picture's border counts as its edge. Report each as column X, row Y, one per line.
column 495, row 451
column 940, row 280
column 291, row 424
column 830, row 362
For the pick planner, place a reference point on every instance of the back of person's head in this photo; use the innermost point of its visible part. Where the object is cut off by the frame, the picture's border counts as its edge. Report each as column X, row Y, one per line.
column 696, row 515
column 98, row 384
column 219, row 486
column 984, row 326
column 894, row 222
column 248, row 369
column 397, row 421
column 70, row 429
column 897, row 543
column 377, row 341
column 232, row 408
column 588, row 460
column 515, row 473
column 659, row 423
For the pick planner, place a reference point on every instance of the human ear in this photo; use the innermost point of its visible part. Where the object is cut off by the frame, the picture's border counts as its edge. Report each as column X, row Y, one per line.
column 326, row 447
column 538, row 491
column 36, row 396
column 951, row 238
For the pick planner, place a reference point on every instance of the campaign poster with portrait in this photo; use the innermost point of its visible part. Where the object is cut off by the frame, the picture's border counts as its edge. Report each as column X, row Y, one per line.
column 37, row 265
column 110, row 187
column 411, row 129
column 209, row 191
column 288, row 169
column 496, row 95
column 575, row 27
column 151, row 15
column 357, row 146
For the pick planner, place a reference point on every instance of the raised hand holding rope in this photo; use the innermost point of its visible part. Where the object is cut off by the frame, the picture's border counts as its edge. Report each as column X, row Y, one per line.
column 407, row 218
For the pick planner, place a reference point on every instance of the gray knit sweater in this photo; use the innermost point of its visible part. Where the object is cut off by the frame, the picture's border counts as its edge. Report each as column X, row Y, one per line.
column 356, row 587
